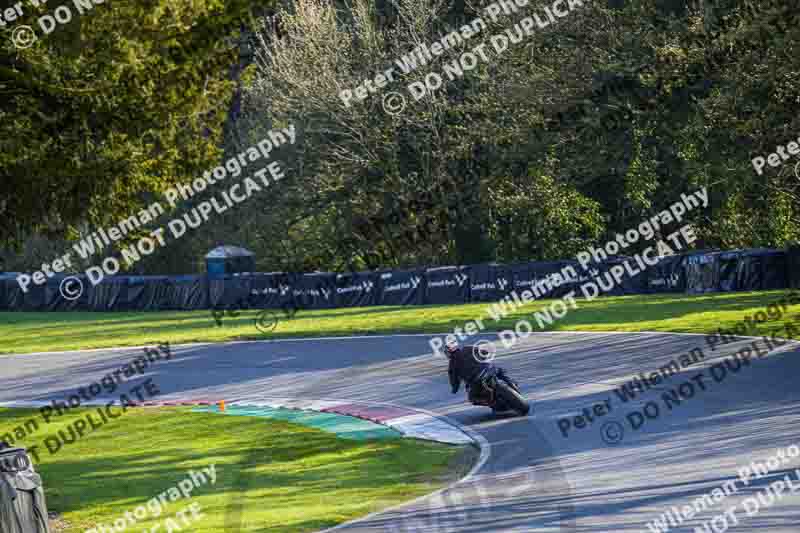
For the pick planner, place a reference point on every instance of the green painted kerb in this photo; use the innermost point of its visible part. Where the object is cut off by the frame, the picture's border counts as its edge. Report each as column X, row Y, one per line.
column 346, row 427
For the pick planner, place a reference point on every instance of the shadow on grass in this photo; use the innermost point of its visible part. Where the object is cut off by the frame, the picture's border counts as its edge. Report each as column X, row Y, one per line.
column 262, row 465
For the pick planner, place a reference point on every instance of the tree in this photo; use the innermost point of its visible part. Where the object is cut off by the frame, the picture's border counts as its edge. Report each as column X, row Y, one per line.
column 101, row 115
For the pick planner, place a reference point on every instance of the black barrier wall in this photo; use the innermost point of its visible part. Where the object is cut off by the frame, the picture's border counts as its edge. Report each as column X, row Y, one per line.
column 696, row 272
column 793, row 265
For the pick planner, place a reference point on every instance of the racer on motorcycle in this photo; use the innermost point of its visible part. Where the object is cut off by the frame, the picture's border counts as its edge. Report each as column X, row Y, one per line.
column 467, row 363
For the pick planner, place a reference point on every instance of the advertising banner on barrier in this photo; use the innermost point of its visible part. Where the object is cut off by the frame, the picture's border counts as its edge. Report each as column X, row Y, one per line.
column 447, row 285
column 144, row 292
column 34, row 299
column 165, row 294
column 728, row 264
column 111, row 293
column 696, row 272
column 668, row 275
column 271, row 291
column 355, row 289
column 63, row 293
column 523, row 276
column 401, row 287
column 636, row 284
column 315, row 291
column 554, row 279
column 489, row 282
column 190, row 292
column 701, row 272
column 15, row 298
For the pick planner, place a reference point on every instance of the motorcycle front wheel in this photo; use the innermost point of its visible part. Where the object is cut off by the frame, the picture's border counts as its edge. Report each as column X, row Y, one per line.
column 511, row 398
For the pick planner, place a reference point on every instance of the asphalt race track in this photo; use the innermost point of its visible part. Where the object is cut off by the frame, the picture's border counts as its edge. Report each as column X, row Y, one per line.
column 604, row 477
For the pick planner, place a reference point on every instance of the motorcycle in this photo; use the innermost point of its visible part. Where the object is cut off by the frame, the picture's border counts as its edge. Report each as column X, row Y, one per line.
column 499, row 392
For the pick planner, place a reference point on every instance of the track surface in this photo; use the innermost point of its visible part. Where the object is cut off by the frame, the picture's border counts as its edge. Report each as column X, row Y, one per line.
column 535, row 479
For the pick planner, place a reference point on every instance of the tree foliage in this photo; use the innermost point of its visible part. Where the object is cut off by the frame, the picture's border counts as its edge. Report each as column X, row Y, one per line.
column 564, row 140
column 111, row 108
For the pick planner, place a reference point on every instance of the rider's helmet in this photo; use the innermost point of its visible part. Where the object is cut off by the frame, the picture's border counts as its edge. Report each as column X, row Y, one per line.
column 451, row 347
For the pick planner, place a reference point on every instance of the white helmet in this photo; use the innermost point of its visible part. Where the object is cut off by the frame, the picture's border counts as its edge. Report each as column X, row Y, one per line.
column 451, row 346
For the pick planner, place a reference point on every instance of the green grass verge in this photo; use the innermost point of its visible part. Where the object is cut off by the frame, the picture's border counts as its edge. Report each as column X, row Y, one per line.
column 33, row 332
column 288, row 478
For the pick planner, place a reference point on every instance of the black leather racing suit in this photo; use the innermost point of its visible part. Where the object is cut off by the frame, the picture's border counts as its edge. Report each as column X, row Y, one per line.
column 465, row 366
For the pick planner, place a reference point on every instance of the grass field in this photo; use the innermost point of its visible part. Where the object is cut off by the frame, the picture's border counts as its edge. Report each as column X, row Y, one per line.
column 281, row 476
column 33, row 332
